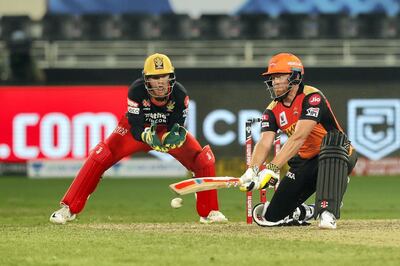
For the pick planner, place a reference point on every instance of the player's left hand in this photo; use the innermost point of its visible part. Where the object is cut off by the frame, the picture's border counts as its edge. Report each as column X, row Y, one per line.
column 268, row 177
column 175, row 137
column 149, row 136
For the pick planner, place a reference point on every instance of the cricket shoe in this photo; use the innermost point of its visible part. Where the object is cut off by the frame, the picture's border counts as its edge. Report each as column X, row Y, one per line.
column 214, row 217
column 309, row 211
column 62, row 216
column 259, row 212
column 327, row 220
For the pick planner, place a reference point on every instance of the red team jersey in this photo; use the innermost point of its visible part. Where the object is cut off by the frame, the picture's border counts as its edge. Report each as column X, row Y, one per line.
column 309, row 104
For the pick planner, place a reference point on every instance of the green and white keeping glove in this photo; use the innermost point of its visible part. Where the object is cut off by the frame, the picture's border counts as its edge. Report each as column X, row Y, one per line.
column 175, row 137
column 149, row 136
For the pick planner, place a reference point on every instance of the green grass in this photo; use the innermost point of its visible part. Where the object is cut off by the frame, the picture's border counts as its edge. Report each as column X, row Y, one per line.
column 130, row 222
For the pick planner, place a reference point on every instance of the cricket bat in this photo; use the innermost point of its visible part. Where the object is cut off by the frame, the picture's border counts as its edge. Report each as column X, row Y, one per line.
column 204, row 183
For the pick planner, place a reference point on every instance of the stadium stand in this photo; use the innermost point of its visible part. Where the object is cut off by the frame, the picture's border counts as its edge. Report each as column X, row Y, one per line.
column 212, row 40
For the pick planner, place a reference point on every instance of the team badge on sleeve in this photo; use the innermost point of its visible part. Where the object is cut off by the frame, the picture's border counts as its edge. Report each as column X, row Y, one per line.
column 312, row 111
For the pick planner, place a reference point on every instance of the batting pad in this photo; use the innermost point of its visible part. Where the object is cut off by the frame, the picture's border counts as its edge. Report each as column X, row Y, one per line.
column 332, row 173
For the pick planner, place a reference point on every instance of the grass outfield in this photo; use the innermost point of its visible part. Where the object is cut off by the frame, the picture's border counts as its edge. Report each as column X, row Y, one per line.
column 130, row 222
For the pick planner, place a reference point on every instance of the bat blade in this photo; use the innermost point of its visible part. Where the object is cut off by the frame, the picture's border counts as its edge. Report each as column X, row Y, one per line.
column 204, row 183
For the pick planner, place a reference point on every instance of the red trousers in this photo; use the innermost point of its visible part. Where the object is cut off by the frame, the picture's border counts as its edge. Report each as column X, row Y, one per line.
column 121, row 144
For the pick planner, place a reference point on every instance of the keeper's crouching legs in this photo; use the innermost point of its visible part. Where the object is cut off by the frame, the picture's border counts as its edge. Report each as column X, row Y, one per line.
column 99, row 160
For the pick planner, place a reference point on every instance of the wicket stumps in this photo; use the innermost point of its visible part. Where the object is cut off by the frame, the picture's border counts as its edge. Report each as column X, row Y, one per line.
column 248, row 153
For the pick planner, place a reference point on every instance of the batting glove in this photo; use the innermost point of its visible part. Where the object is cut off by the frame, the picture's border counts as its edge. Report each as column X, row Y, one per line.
column 247, row 178
column 268, row 177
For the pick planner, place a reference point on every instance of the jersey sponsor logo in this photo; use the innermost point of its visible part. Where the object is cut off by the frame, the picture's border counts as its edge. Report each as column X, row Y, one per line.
column 159, row 118
column 294, row 63
column 133, row 110
column 185, row 112
column 282, row 119
column 170, row 106
column 374, row 126
column 315, row 99
column 132, row 103
column 291, row 175
column 264, row 124
column 146, row 103
column 120, row 130
column 290, row 130
column 312, row 111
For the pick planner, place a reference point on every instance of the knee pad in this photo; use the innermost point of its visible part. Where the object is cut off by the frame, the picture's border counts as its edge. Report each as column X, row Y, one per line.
column 333, row 164
column 101, row 154
column 204, row 163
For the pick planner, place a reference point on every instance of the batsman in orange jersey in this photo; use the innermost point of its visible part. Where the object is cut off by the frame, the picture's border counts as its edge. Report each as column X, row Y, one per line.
column 157, row 106
column 318, row 152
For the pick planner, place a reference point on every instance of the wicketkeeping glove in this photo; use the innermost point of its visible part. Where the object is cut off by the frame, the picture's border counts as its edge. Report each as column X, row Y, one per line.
column 175, row 137
column 265, row 178
column 150, row 137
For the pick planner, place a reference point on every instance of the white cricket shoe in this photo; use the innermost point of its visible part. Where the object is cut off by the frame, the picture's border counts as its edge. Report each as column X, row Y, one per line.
column 62, row 216
column 214, row 217
column 327, row 220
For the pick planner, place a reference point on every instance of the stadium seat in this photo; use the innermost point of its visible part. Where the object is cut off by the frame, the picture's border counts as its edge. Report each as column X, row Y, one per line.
column 377, row 25
column 298, row 26
column 337, row 26
column 176, row 26
column 11, row 24
column 139, row 26
column 216, row 27
column 62, row 27
column 259, row 26
column 100, row 27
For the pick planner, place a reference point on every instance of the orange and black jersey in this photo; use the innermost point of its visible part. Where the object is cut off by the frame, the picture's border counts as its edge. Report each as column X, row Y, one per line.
column 309, row 104
column 142, row 111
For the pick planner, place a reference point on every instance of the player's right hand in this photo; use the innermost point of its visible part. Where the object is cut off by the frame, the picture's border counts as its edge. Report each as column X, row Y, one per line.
column 247, row 178
column 268, row 177
column 149, row 136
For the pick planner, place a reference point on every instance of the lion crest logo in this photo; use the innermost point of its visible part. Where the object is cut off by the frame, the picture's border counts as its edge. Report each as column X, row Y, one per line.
column 158, row 63
column 170, row 106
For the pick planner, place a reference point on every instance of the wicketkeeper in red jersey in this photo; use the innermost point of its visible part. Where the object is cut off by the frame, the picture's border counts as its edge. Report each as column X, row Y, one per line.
column 318, row 152
column 156, row 111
